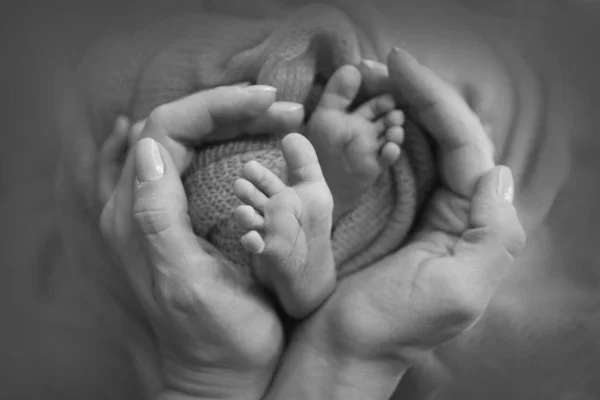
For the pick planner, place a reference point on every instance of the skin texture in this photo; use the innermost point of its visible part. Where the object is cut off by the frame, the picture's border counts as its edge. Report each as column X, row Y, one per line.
column 539, row 329
column 295, row 258
column 485, row 233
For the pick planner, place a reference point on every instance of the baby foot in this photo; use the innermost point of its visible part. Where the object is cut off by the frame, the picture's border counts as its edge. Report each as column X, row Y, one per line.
column 289, row 227
column 353, row 147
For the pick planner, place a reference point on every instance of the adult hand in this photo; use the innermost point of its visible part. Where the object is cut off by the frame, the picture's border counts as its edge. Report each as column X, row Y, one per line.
column 434, row 288
column 217, row 335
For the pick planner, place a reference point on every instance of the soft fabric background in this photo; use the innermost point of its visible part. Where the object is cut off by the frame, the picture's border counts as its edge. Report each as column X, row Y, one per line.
column 553, row 308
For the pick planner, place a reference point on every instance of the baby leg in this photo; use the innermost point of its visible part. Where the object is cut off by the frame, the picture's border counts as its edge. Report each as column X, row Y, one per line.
column 289, row 227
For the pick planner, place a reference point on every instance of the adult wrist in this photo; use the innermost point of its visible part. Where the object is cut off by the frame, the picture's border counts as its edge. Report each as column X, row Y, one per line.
column 184, row 382
column 309, row 371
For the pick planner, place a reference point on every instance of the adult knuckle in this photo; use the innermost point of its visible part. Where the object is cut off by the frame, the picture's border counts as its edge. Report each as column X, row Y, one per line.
column 154, row 219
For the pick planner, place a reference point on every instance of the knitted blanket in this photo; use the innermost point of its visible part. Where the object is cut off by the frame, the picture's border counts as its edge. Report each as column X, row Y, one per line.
column 296, row 54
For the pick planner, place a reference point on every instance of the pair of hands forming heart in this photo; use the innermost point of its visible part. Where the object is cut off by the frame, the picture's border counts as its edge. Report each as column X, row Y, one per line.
column 217, row 334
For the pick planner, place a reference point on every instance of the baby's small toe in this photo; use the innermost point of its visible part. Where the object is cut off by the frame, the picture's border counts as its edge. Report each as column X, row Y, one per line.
column 395, row 134
column 341, row 89
column 253, row 242
column 248, row 219
column 390, row 153
column 394, row 118
column 376, row 107
column 249, row 194
column 301, row 159
column 263, row 178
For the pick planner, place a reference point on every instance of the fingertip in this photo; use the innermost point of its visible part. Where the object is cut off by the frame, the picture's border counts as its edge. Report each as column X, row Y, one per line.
column 401, row 59
column 395, row 118
column 497, row 183
column 247, row 218
column 253, row 171
column 261, row 89
column 505, row 186
column 390, row 153
column 149, row 161
column 253, row 242
column 372, row 67
column 135, row 132
column 280, row 118
column 259, row 98
column 116, row 143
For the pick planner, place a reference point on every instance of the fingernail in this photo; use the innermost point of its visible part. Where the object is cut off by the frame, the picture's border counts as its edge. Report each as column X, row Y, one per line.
column 262, row 88
column 369, row 63
column 150, row 166
column 506, row 185
column 408, row 58
column 286, row 106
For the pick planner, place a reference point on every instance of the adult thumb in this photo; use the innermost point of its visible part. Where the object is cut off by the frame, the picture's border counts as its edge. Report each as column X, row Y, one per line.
column 160, row 207
column 495, row 237
column 493, row 214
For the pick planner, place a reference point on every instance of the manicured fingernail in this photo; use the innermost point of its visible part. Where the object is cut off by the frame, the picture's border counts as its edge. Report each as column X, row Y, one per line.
column 286, row 106
column 369, row 63
column 150, row 165
column 506, row 185
column 262, row 88
column 408, row 58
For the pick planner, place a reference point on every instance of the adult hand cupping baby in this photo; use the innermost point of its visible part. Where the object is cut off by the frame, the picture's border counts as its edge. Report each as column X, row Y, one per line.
column 214, row 326
column 436, row 286
column 217, row 335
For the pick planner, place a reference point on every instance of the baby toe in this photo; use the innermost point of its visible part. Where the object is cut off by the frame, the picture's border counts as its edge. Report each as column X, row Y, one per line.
column 262, row 178
column 248, row 219
column 390, row 153
column 253, row 242
column 395, row 134
column 301, row 160
column 394, row 118
column 376, row 107
column 342, row 89
column 249, row 194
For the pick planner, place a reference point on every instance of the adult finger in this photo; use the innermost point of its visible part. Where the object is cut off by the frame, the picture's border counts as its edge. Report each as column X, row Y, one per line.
column 116, row 226
column 111, row 159
column 135, row 132
column 375, row 78
column 187, row 121
column 484, row 252
column 444, row 285
column 174, row 253
column 280, row 118
column 464, row 148
column 495, row 236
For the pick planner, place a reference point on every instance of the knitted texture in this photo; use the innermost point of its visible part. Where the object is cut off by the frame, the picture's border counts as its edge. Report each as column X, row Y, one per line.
column 295, row 55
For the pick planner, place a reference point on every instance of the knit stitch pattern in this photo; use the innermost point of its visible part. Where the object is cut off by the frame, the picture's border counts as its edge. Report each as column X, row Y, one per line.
column 292, row 55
